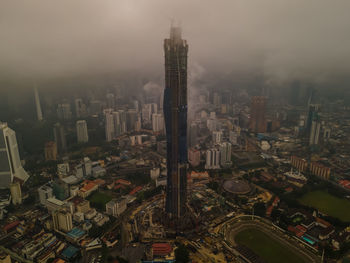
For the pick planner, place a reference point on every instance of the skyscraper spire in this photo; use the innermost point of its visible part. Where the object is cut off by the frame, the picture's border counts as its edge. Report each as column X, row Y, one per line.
column 37, row 103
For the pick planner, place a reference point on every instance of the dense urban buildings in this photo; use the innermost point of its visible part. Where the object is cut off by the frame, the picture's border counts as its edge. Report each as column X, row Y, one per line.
column 175, row 114
column 238, row 153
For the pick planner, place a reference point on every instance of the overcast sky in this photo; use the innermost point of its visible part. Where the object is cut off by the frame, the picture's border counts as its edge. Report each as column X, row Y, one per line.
column 285, row 39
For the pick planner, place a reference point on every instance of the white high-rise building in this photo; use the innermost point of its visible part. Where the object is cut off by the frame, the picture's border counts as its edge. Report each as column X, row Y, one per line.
column 82, row 131
column 10, row 162
column 225, row 154
column 109, row 125
column 37, row 104
column 212, row 160
column 157, row 122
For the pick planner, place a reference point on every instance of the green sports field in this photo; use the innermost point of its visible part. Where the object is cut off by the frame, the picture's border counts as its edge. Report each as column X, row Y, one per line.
column 269, row 249
column 327, row 204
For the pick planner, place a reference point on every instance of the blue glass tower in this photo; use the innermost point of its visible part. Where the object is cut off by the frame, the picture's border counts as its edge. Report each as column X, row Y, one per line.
column 175, row 114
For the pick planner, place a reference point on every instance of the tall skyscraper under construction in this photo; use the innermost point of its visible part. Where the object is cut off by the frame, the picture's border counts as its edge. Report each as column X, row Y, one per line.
column 175, row 114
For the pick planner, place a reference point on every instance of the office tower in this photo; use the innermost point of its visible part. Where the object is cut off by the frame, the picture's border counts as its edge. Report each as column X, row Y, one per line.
column 63, row 111
column 315, row 131
column 39, row 113
column 80, row 108
column 257, row 114
column 60, row 138
column 110, row 101
column 225, row 154
column 82, row 131
column 16, row 193
column 157, row 122
column 212, row 160
column 10, row 162
column 216, row 137
column 62, row 220
column 193, row 134
column 175, row 114
column 109, row 125
column 50, row 151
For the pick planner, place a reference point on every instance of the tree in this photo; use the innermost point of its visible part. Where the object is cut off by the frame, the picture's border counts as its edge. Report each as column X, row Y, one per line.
column 259, row 209
column 181, row 254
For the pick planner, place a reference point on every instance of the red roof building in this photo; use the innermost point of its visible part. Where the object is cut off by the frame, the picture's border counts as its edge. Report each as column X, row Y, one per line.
column 161, row 249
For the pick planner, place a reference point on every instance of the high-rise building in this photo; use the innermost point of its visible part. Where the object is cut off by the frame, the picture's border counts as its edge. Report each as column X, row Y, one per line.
column 146, row 113
column 60, row 138
column 110, row 100
column 194, row 157
column 157, row 122
column 257, row 114
column 45, row 192
column 315, row 131
column 82, row 131
column 109, row 125
column 225, row 154
column 311, row 115
column 80, row 108
column 217, row 137
column 50, row 151
column 212, row 160
column 62, row 220
column 10, row 162
column 37, row 104
column 131, row 119
column 16, row 193
column 233, row 137
column 193, row 134
column 63, row 111
column 175, row 115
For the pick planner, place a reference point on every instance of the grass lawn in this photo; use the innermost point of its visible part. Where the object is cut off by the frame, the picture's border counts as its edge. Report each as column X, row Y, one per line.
column 269, row 249
column 99, row 200
column 328, row 204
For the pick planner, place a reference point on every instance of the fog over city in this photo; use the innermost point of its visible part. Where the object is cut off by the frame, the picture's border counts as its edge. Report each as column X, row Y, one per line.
column 284, row 40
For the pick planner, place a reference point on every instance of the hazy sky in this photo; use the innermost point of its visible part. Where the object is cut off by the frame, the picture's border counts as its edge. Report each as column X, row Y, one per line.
column 285, row 39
